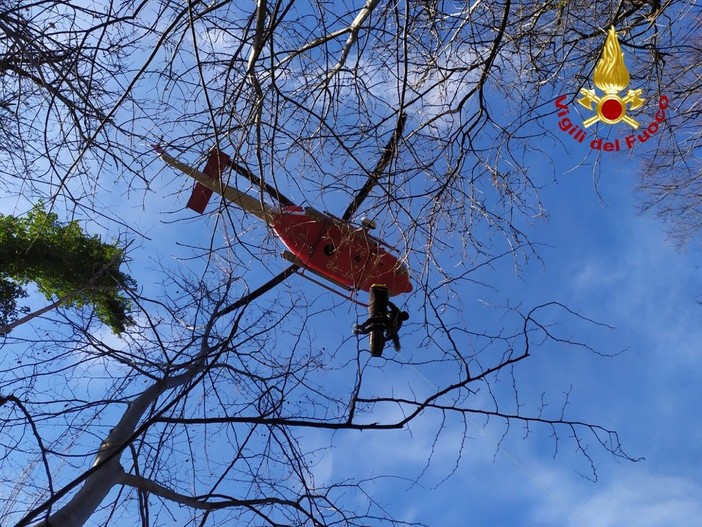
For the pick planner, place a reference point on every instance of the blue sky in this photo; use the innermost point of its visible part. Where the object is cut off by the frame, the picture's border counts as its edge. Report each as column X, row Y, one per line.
column 612, row 264
column 606, row 261
column 601, row 258
column 596, row 254
column 616, row 266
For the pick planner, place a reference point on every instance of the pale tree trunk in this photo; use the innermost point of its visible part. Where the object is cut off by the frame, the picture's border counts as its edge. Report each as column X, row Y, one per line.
column 9, row 327
column 108, row 470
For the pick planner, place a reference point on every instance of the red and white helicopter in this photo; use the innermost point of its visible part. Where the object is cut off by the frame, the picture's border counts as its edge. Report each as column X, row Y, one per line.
column 333, row 248
column 330, row 247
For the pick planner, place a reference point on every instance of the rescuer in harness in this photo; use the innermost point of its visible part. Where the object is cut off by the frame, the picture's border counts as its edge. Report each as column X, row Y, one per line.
column 384, row 321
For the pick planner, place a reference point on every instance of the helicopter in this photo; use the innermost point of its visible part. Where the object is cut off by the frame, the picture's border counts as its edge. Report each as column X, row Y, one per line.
column 334, row 249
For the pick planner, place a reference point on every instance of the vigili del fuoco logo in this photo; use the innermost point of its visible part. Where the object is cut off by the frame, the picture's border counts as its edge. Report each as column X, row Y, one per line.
column 611, row 108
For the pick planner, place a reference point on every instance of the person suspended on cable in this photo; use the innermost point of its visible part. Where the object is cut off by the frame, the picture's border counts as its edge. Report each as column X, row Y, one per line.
column 384, row 321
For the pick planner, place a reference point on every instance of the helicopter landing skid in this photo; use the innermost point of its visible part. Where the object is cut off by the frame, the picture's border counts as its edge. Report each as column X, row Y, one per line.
column 290, row 257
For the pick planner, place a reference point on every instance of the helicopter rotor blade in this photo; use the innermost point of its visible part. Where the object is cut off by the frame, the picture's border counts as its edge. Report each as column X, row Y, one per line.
column 253, row 295
column 273, row 192
column 374, row 176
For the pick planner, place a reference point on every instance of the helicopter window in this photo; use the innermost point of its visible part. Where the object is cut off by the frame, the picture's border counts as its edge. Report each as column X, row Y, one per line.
column 329, row 249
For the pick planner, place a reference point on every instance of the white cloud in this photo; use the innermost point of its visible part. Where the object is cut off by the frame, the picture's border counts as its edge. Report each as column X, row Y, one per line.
column 221, row 41
column 635, row 499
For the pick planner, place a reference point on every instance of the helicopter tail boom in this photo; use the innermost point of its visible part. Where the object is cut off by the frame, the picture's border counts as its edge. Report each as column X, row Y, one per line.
column 229, row 193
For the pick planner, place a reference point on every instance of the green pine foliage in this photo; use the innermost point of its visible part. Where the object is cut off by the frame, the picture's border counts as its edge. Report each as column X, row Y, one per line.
column 64, row 263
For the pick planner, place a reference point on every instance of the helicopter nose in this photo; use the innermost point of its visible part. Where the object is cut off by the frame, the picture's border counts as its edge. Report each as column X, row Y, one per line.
column 402, row 282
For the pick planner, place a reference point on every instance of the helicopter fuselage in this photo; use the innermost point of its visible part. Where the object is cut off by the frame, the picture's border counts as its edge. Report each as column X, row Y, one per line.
column 341, row 252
